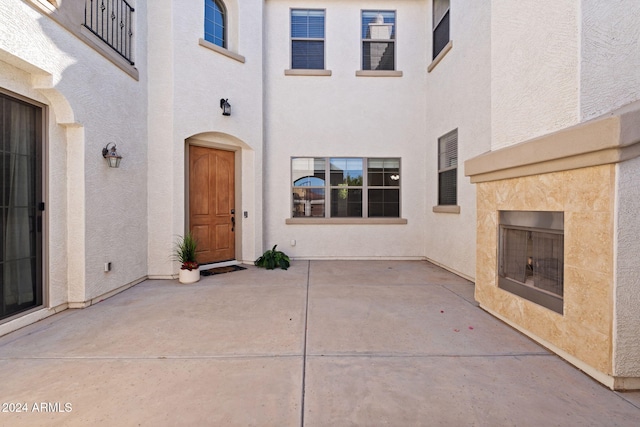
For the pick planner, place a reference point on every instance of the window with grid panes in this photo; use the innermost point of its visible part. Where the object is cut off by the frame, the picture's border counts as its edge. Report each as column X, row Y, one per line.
column 215, row 23
column 383, row 187
column 378, row 30
column 448, row 168
column 307, row 39
column 355, row 188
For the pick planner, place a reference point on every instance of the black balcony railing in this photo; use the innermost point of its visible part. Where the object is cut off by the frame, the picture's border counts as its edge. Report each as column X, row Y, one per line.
column 112, row 22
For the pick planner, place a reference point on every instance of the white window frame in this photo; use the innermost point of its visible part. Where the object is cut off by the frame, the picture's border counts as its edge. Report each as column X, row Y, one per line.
column 392, row 40
column 365, row 187
column 310, row 39
column 450, row 162
column 437, row 20
column 225, row 25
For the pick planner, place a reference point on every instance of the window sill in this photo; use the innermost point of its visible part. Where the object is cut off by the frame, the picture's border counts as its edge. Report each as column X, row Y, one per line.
column 46, row 5
column 345, row 221
column 451, row 209
column 299, row 72
column 378, row 73
column 439, row 57
column 221, row 50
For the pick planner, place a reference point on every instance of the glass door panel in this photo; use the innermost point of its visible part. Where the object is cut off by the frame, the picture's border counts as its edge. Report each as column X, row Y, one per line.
column 20, row 214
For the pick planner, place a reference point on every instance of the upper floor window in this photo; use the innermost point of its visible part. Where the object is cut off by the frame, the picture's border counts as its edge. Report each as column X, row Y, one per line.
column 307, row 39
column 215, row 23
column 112, row 22
column 440, row 25
column 378, row 39
column 448, row 168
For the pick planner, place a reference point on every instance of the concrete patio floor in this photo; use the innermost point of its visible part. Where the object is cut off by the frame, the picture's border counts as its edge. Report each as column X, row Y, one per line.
column 326, row 343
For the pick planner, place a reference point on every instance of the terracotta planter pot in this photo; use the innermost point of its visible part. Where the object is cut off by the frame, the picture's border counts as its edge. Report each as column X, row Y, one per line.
column 189, row 276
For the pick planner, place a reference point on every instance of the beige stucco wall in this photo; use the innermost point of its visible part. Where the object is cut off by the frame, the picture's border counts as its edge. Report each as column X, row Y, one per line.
column 586, row 196
column 458, row 96
column 534, row 68
column 344, row 115
column 185, row 87
column 609, row 55
column 94, row 214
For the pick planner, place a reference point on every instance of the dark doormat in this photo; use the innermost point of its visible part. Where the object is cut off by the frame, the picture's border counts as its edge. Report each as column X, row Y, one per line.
column 221, row 270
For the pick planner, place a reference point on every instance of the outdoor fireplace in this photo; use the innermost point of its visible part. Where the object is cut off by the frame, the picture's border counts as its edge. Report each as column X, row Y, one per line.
column 531, row 256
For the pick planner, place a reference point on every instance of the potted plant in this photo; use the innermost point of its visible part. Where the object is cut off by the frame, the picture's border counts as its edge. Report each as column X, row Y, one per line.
column 272, row 259
column 185, row 252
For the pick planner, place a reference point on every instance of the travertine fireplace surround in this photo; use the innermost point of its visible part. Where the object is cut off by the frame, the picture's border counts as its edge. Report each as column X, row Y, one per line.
column 571, row 171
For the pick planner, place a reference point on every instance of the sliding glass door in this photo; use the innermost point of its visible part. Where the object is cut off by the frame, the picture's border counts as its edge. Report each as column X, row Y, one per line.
column 20, row 206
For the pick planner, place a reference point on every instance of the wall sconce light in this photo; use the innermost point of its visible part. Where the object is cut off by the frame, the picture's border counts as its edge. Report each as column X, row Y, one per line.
column 226, row 107
column 111, row 155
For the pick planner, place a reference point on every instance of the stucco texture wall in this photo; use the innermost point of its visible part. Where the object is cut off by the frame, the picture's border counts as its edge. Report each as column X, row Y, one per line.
column 586, row 196
column 95, row 214
column 610, row 57
column 186, row 84
column 627, row 290
column 344, row 115
column 458, row 92
column 534, row 68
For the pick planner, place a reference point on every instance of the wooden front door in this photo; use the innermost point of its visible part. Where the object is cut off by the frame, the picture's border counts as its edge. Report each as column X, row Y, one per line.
column 212, row 203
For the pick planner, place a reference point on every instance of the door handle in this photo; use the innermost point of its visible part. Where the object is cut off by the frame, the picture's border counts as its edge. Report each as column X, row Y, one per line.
column 233, row 223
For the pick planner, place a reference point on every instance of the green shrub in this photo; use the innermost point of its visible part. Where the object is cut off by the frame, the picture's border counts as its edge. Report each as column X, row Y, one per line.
column 272, row 259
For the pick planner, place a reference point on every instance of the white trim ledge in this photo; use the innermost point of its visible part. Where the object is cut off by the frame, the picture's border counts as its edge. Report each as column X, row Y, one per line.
column 440, row 56
column 451, row 209
column 612, row 138
column 298, row 72
column 221, row 50
column 45, row 5
column 345, row 221
column 378, row 73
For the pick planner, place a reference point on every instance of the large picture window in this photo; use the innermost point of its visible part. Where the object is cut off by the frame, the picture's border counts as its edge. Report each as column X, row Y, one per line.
column 355, row 188
column 378, row 30
column 307, row 39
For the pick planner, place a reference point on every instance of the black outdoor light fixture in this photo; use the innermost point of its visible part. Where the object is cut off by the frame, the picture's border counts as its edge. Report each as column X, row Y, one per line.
column 226, row 107
column 111, row 155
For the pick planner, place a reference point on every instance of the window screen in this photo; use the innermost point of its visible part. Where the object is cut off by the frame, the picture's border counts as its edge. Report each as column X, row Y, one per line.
column 448, row 168
column 307, row 39
column 378, row 30
column 440, row 25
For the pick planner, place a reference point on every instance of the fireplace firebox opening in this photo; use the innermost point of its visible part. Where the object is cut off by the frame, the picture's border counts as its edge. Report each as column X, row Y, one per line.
column 531, row 256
